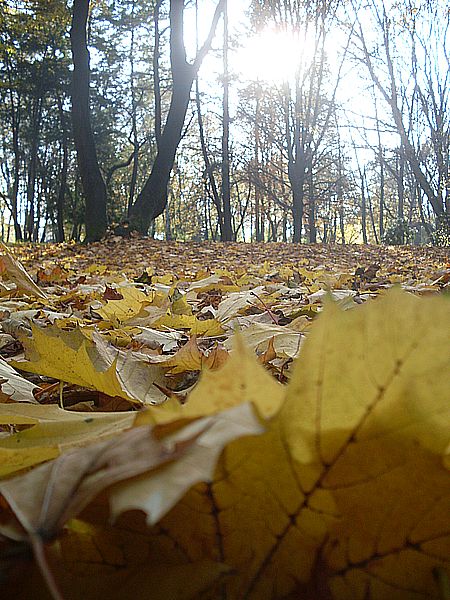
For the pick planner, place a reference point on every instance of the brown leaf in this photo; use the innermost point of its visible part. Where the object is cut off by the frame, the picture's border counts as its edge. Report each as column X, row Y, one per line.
column 111, row 294
column 216, row 358
column 45, row 498
column 269, row 354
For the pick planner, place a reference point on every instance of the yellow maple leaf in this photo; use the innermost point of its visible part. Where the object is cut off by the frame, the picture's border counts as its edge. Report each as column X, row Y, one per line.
column 191, row 358
column 179, row 304
column 346, row 496
column 13, row 460
column 367, row 422
column 241, row 379
column 71, row 356
column 131, row 304
column 53, row 430
column 14, row 271
column 56, row 498
column 208, row 327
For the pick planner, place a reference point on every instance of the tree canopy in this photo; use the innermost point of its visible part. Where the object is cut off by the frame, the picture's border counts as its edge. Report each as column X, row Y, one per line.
column 253, row 121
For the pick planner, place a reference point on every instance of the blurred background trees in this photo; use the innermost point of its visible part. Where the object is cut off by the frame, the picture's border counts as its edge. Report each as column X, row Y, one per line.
column 305, row 121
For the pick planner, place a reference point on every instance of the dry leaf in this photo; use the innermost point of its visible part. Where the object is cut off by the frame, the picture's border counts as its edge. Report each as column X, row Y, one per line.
column 16, row 273
column 157, row 494
column 285, row 341
column 126, row 304
column 14, row 386
column 54, row 431
column 347, row 491
column 70, row 356
column 47, row 497
column 241, row 379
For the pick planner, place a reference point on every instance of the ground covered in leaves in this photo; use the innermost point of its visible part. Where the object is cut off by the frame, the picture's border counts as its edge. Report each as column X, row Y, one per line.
column 187, row 259
column 148, row 451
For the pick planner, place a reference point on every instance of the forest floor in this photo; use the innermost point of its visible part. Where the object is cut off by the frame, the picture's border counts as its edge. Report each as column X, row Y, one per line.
column 154, row 297
column 131, row 257
column 120, row 372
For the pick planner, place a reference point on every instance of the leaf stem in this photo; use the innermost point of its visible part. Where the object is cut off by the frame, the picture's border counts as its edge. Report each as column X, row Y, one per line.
column 61, row 398
column 266, row 308
column 44, row 567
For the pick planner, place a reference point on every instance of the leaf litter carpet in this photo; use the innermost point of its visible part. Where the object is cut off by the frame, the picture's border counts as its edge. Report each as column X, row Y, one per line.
column 148, row 451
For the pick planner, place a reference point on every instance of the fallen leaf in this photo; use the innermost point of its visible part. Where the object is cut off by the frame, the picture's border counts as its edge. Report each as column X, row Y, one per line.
column 346, row 495
column 240, row 379
column 111, row 294
column 44, row 499
column 70, row 356
column 13, row 460
column 269, row 354
column 208, row 328
column 190, row 358
column 12, row 268
column 369, row 449
column 179, row 304
column 117, row 564
column 167, row 340
column 53, row 431
column 286, row 342
column 157, row 494
column 128, row 305
column 316, row 507
column 14, row 386
column 236, row 302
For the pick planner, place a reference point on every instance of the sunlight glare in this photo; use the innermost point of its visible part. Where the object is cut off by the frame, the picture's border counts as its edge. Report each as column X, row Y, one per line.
column 274, row 55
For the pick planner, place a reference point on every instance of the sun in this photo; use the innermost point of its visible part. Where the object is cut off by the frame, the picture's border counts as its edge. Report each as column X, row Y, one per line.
column 274, row 55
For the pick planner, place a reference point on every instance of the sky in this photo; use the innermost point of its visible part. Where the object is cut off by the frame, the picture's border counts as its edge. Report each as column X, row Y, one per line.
column 271, row 57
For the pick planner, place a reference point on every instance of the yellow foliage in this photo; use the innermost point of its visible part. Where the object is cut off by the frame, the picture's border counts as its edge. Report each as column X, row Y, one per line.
column 53, row 430
column 208, row 328
column 345, row 495
column 13, row 460
column 347, row 490
column 179, row 304
column 13, row 270
column 131, row 304
column 70, row 356
column 241, row 379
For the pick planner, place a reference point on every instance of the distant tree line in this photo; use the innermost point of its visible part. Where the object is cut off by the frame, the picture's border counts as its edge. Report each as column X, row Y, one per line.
column 107, row 122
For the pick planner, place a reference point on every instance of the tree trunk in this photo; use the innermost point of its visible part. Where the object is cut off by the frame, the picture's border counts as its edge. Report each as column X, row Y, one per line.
column 15, row 128
column 363, row 209
column 227, row 235
column 381, row 214
column 209, row 173
column 32, row 168
column 15, row 188
column 60, row 202
column 152, row 199
column 296, row 161
column 94, row 187
column 372, row 216
column 134, row 132
column 156, row 75
column 340, row 199
column 390, row 94
column 296, row 174
column 167, row 224
column 258, row 227
column 312, row 211
column 401, row 196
